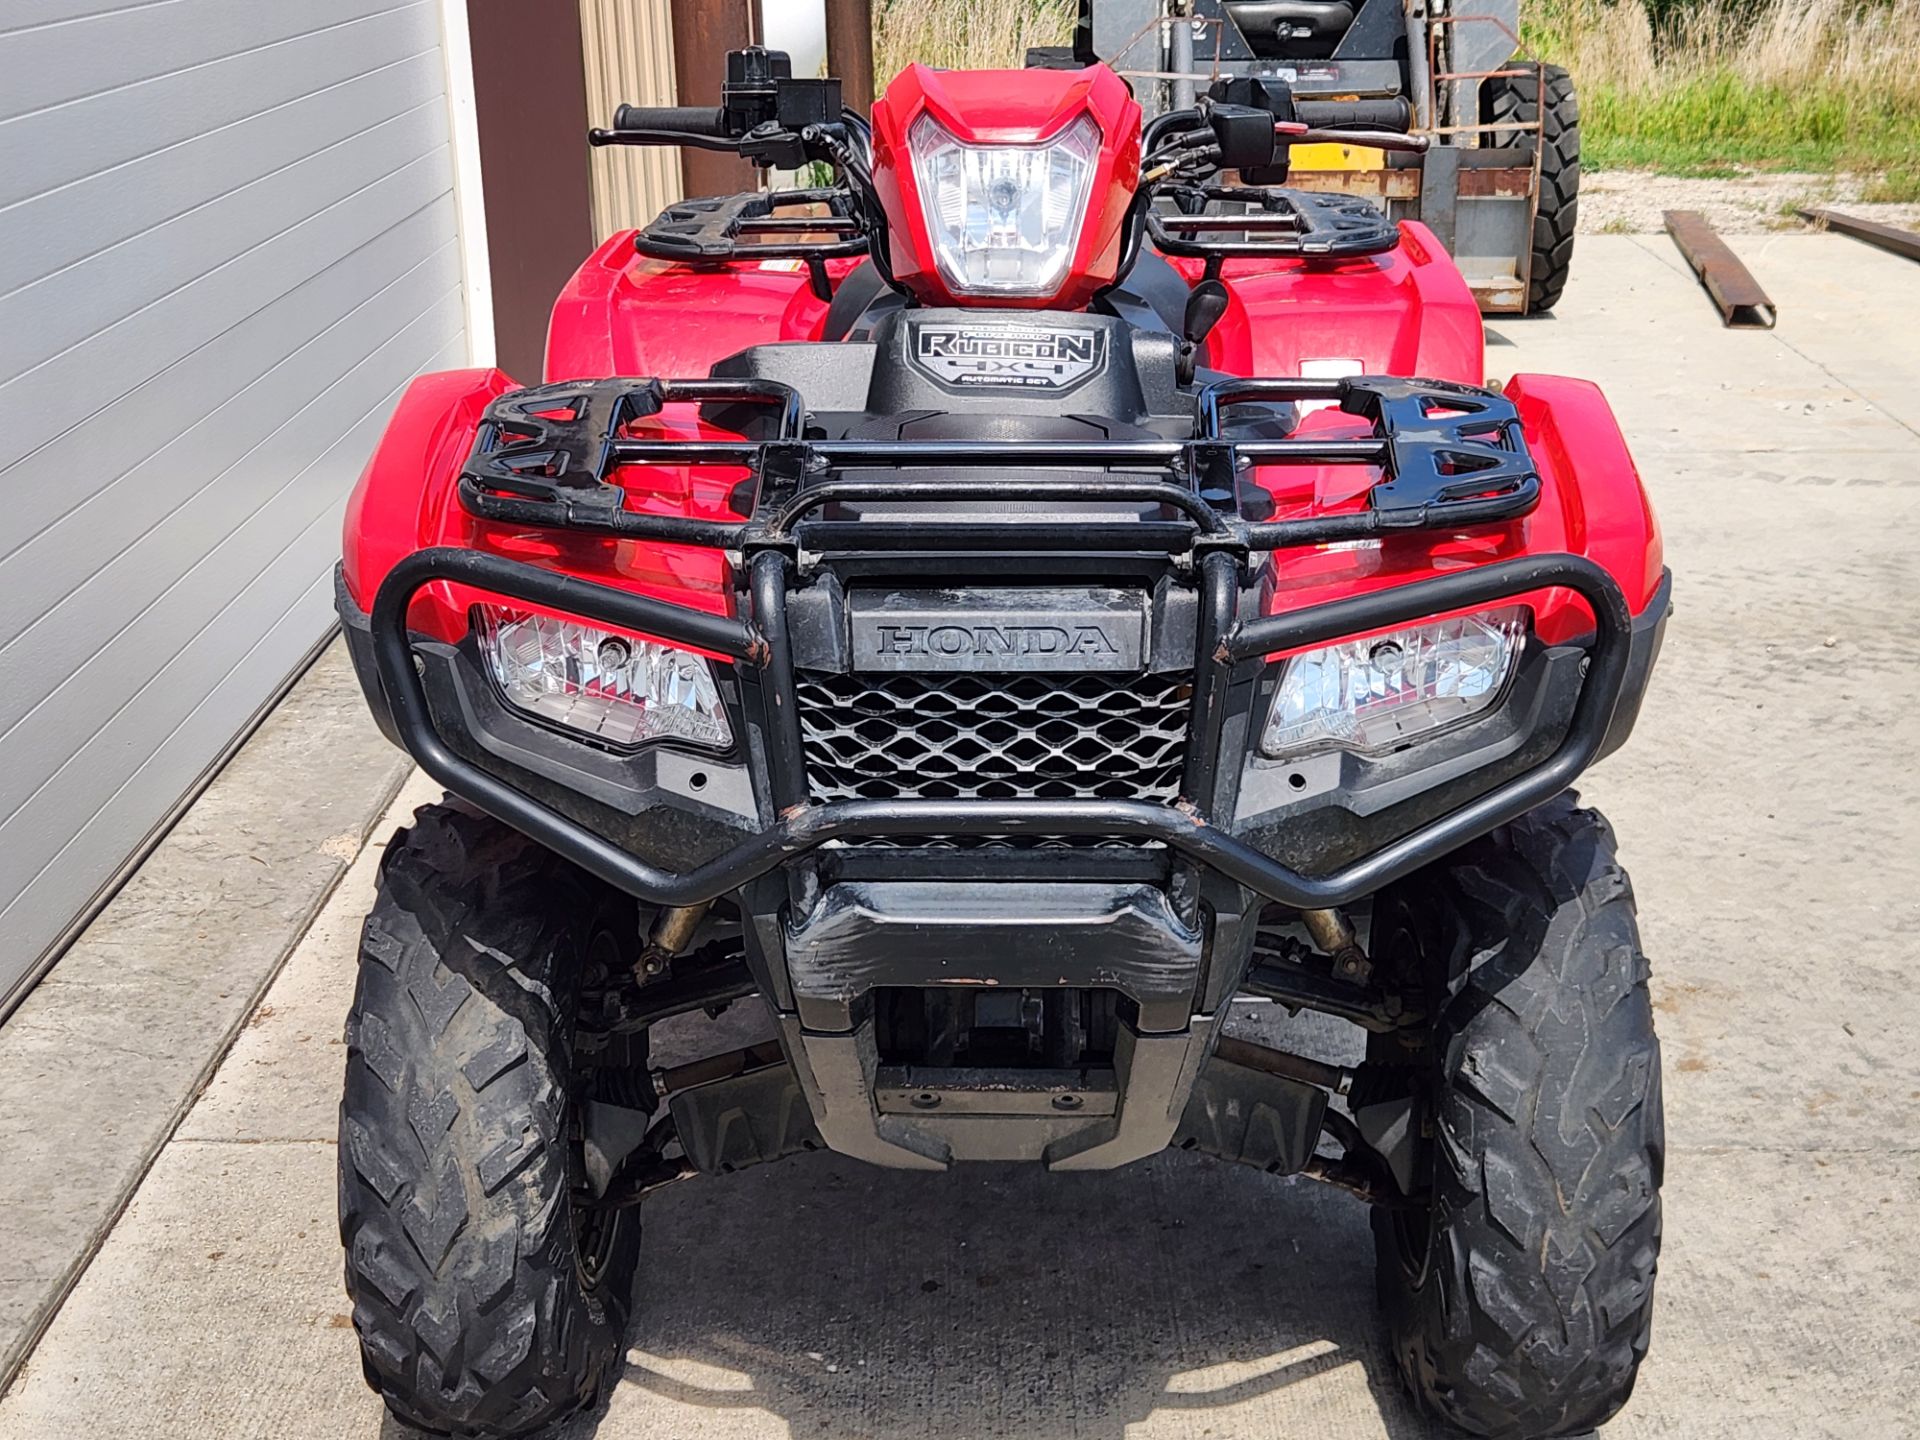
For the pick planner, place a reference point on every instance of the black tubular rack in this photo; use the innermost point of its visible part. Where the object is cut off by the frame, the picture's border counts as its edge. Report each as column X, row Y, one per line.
column 1222, row 222
column 1449, row 456
column 758, row 225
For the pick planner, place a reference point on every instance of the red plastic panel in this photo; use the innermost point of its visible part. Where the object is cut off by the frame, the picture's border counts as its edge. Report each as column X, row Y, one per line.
column 1407, row 312
column 1592, row 503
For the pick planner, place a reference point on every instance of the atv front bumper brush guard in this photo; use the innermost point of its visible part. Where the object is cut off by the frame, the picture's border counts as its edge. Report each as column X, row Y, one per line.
column 1450, row 456
column 1186, row 826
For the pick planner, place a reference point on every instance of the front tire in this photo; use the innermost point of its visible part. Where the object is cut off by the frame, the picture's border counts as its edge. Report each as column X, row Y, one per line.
column 488, row 1301
column 1520, row 1298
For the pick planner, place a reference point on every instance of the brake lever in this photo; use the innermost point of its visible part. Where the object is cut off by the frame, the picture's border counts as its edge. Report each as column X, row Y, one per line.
column 599, row 136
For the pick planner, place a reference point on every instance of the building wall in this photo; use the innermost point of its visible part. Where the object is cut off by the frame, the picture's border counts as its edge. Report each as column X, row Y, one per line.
column 227, row 240
column 629, row 61
column 530, row 115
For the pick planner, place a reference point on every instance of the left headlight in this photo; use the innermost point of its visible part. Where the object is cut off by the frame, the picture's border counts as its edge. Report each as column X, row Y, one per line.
column 1004, row 219
column 1373, row 696
column 617, row 688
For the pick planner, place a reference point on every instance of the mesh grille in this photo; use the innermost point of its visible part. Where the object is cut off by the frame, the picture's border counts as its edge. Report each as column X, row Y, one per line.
column 994, row 736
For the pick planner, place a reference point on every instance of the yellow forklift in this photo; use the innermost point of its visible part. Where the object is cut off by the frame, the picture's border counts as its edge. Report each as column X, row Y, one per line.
column 1500, row 183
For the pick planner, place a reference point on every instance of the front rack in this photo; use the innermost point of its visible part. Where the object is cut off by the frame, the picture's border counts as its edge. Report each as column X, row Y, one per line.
column 1269, row 224
column 759, row 225
column 1449, row 456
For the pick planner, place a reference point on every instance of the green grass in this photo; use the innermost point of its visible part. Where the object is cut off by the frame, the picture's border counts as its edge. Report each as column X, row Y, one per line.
column 1727, row 85
column 1898, row 186
column 1714, row 124
column 965, row 34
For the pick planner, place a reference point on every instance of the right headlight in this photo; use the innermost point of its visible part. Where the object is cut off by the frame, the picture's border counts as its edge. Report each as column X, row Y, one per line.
column 616, row 688
column 1004, row 219
column 1372, row 696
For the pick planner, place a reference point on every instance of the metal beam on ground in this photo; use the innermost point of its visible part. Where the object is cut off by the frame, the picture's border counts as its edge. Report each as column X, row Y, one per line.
column 1885, row 237
column 1743, row 304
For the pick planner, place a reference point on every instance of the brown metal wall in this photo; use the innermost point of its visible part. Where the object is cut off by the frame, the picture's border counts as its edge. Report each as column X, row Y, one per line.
column 531, row 110
column 850, row 50
column 703, row 32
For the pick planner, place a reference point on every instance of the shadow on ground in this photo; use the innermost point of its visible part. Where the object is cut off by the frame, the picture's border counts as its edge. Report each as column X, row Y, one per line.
column 1180, row 1296
column 829, row 1298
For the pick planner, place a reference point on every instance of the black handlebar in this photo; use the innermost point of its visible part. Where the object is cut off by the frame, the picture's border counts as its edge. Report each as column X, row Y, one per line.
column 710, row 121
column 700, row 126
column 764, row 114
column 773, row 119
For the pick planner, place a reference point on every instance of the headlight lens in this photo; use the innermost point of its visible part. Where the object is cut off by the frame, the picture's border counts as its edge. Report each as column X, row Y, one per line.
column 614, row 687
column 1004, row 218
column 1372, row 696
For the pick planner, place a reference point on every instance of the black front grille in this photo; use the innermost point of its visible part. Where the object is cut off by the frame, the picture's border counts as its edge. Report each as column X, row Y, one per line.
column 994, row 736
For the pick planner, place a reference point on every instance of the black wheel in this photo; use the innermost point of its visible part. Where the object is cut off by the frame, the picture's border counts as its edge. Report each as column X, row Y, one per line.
column 488, row 1299
column 1515, row 99
column 1520, row 1295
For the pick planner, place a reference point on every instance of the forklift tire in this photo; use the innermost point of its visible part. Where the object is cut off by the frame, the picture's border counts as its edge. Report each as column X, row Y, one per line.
column 1519, row 1294
column 488, row 1301
column 1515, row 99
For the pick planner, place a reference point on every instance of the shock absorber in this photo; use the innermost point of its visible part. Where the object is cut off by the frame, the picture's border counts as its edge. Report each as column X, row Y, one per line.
column 1334, row 934
column 673, row 931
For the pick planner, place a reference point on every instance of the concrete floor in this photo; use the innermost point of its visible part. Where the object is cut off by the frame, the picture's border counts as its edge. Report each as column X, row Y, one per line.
column 110, row 1050
column 1767, row 810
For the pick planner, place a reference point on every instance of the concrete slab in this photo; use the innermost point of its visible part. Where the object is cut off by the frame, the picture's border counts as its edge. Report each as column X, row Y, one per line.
column 1636, row 320
column 225, row 1318
column 1849, row 309
column 281, row 1082
column 108, row 1052
column 1767, row 811
column 1786, row 710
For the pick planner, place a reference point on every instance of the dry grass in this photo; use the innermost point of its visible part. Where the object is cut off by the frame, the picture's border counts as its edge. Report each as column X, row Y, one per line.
column 1803, row 84
column 965, row 34
column 1854, row 44
column 1724, row 84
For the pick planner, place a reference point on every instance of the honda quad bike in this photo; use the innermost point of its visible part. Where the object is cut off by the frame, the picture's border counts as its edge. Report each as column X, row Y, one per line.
column 997, row 608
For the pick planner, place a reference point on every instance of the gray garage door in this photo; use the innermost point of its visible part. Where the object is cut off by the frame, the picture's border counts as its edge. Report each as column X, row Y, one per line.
column 227, row 239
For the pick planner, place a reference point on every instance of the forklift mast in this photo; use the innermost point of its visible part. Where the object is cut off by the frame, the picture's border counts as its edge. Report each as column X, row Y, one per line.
column 1477, row 188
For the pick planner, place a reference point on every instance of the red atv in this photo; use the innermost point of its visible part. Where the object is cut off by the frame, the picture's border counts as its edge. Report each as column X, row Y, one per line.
column 997, row 608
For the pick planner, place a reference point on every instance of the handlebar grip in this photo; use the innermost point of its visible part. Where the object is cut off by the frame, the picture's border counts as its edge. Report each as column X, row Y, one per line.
column 1393, row 113
column 710, row 121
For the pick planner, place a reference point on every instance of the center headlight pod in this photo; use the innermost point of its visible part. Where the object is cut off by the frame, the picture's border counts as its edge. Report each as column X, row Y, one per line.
column 617, row 688
column 1372, row 696
column 1004, row 219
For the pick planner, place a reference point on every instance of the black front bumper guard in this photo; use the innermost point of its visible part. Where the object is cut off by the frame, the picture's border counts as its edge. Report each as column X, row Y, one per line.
column 802, row 826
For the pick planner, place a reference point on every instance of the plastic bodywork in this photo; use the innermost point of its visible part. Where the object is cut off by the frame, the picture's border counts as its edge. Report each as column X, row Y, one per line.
column 1406, row 312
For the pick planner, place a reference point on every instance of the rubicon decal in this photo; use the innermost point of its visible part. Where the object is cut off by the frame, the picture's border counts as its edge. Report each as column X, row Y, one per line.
column 1007, row 356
